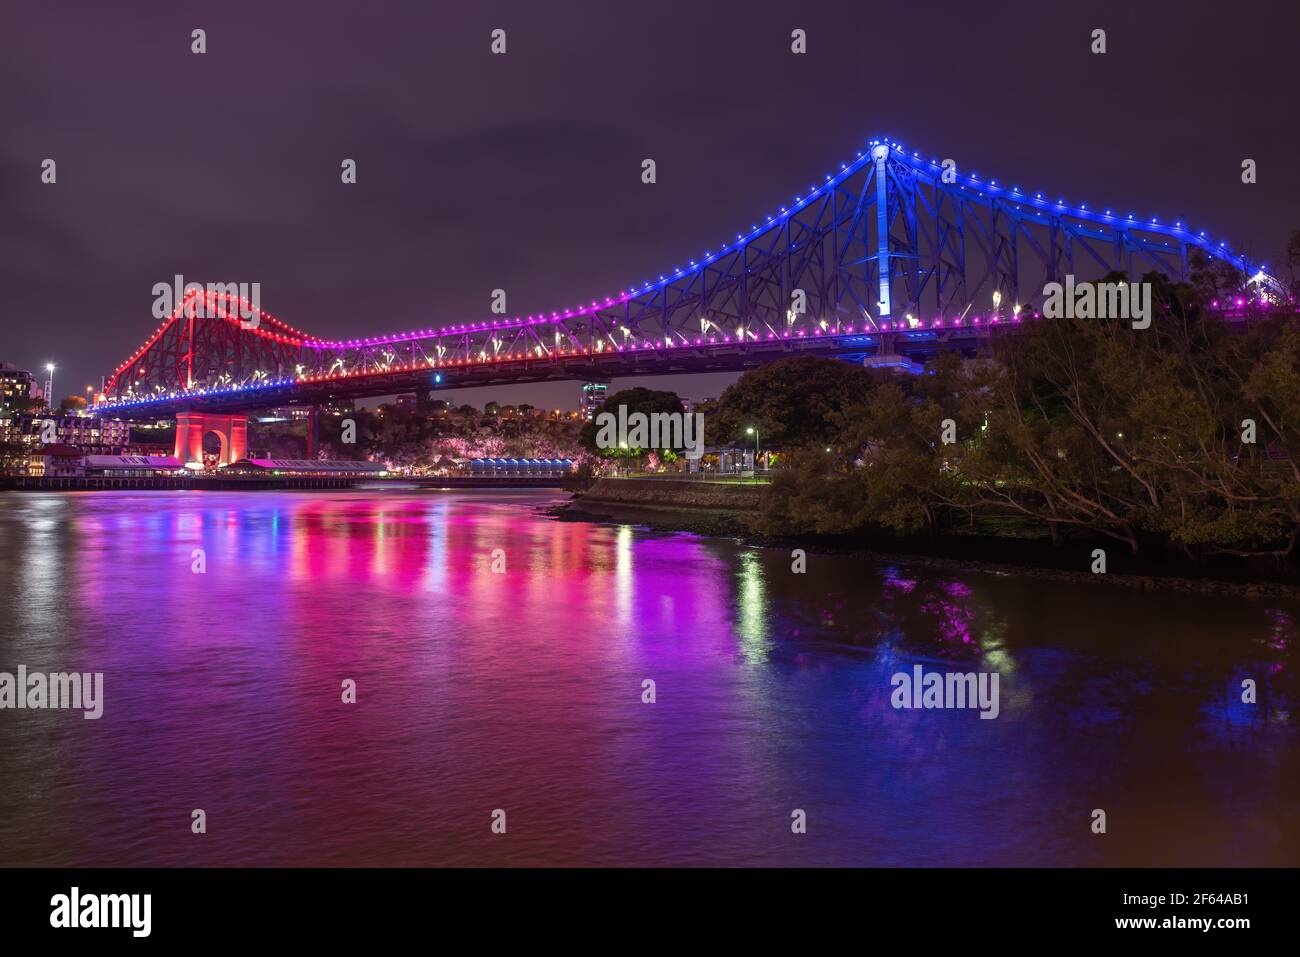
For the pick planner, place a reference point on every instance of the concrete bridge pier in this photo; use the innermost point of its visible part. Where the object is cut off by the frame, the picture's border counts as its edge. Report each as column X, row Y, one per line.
column 230, row 430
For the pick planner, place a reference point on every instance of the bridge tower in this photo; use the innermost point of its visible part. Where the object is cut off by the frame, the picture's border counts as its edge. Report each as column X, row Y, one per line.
column 880, row 155
column 231, row 430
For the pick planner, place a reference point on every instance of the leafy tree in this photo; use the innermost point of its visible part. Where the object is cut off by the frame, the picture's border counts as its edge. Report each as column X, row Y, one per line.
column 1293, row 263
column 647, row 401
column 19, row 405
column 792, row 402
column 887, row 466
column 1136, row 434
column 1185, row 433
column 1213, row 279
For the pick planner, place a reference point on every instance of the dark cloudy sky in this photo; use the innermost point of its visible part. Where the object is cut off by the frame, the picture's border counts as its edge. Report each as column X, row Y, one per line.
column 523, row 171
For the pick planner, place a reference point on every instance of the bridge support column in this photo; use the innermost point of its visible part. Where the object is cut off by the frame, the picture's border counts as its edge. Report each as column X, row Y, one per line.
column 191, row 427
column 881, row 155
column 238, row 445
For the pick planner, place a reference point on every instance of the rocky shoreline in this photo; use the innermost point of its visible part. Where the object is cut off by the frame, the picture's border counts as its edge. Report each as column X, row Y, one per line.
column 731, row 523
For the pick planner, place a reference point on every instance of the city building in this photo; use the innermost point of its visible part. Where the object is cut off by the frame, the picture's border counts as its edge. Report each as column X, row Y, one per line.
column 15, row 384
column 722, row 461
column 532, row 467
column 67, row 461
column 328, row 468
column 87, row 433
column 23, row 439
column 149, row 448
column 132, row 466
column 406, row 401
column 291, row 413
column 591, row 398
column 56, row 461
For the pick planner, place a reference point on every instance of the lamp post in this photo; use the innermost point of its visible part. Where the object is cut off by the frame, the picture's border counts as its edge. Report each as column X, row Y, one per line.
column 752, row 430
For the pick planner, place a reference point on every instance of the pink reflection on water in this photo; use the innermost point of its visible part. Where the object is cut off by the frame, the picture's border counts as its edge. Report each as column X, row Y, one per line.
column 948, row 606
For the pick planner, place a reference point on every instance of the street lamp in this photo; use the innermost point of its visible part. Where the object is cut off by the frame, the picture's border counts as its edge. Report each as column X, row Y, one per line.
column 751, row 430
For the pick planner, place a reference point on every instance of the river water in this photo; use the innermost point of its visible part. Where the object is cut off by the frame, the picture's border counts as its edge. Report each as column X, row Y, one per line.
column 519, row 687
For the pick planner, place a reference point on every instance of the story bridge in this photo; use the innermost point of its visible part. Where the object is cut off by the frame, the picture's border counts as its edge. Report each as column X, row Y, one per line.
column 892, row 254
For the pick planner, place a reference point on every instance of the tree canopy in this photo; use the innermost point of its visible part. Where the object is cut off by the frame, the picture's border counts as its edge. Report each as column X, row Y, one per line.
column 792, row 402
column 646, row 401
column 1184, row 433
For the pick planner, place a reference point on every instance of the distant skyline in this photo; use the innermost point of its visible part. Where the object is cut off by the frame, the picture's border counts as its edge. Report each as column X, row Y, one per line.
column 521, row 172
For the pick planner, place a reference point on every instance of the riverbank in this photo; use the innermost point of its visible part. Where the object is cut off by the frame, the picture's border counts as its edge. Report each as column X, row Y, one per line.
column 724, row 510
column 257, row 483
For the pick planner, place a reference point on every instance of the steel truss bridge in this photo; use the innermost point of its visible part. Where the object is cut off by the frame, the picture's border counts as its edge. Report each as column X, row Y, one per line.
column 891, row 255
